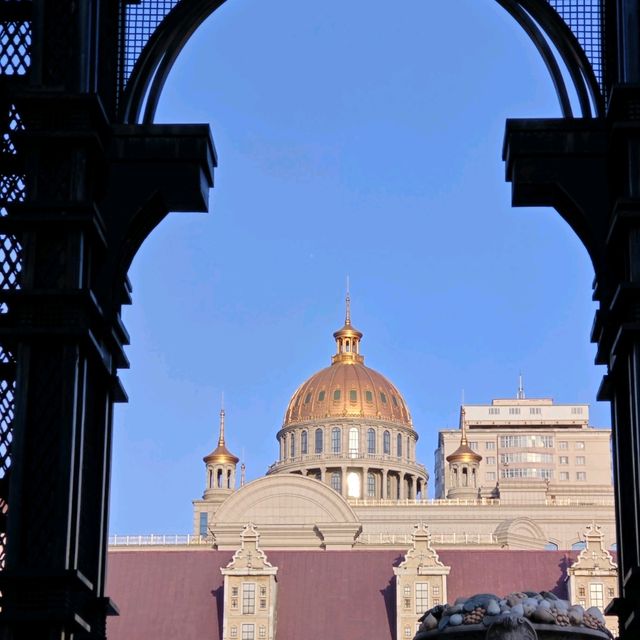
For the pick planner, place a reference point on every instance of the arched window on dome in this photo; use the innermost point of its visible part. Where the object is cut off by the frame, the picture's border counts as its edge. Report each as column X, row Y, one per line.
column 336, row 481
column 336, row 436
column 399, row 445
column 371, row 441
column 210, row 479
column 354, row 442
column 371, row 485
column 319, row 441
column 353, row 485
column 293, row 445
column 220, row 479
column 303, row 443
column 386, row 443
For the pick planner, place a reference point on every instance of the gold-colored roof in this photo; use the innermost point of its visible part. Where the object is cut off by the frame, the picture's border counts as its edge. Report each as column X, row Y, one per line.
column 464, row 453
column 221, row 454
column 347, row 388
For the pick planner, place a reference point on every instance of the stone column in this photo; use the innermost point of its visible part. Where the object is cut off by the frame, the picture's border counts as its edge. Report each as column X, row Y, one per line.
column 383, row 492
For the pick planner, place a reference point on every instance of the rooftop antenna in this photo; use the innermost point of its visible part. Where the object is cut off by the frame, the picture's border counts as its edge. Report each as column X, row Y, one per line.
column 520, row 395
column 347, row 319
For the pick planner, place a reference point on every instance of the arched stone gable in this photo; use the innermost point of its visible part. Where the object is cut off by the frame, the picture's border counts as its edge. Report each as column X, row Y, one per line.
column 285, row 498
column 520, row 533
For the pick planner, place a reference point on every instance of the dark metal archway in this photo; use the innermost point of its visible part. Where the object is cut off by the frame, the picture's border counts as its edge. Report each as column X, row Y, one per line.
column 83, row 182
column 147, row 69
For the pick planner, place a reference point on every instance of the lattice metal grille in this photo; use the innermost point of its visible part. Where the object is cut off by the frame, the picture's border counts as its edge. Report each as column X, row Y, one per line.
column 585, row 18
column 12, row 189
column 15, row 47
column 15, row 59
column 140, row 22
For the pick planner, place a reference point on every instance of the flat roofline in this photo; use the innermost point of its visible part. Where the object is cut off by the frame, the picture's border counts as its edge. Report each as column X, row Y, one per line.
column 578, row 426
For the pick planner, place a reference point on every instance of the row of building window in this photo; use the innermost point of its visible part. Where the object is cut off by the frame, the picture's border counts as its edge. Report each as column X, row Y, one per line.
column 544, row 474
column 249, row 631
column 353, row 397
column 248, row 598
column 534, row 411
column 490, row 445
column 421, row 596
column 596, row 594
column 354, row 442
column 517, row 458
column 353, row 480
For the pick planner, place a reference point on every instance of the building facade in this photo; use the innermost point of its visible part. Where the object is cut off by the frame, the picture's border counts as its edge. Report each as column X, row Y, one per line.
column 529, row 446
column 347, row 466
column 343, row 516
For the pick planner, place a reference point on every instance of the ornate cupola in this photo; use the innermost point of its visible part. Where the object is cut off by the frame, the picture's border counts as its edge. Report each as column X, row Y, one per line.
column 347, row 339
column 463, row 466
column 221, row 467
column 349, row 427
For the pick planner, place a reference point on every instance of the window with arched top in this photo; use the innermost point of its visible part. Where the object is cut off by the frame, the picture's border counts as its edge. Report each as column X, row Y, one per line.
column 399, row 445
column 336, row 436
column 386, row 443
column 303, row 443
column 353, row 485
column 371, row 485
column 371, row 441
column 354, row 442
column 336, row 481
column 292, row 447
column 319, row 441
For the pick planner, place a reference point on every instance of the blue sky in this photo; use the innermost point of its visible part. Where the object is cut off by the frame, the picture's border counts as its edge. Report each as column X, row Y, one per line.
column 358, row 138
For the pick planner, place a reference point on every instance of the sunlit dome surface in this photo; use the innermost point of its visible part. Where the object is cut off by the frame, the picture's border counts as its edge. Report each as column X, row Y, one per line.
column 347, row 388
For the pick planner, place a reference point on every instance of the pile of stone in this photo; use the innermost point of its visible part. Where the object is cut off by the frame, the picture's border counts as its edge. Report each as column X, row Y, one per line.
column 488, row 609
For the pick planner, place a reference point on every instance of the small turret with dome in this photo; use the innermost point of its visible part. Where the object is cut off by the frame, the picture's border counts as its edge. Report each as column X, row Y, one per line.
column 221, row 467
column 463, row 466
column 350, row 427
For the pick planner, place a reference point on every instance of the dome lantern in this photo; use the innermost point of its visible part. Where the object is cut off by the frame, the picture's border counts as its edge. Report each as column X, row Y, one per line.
column 347, row 339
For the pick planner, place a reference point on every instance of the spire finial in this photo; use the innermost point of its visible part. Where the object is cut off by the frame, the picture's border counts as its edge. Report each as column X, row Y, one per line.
column 347, row 317
column 221, row 437
column 521, row 395
column 463, row 420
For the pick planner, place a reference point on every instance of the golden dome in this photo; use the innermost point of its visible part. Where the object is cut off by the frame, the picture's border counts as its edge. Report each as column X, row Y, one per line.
column 347, row 388
column 221, row 454
column 464, row 453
